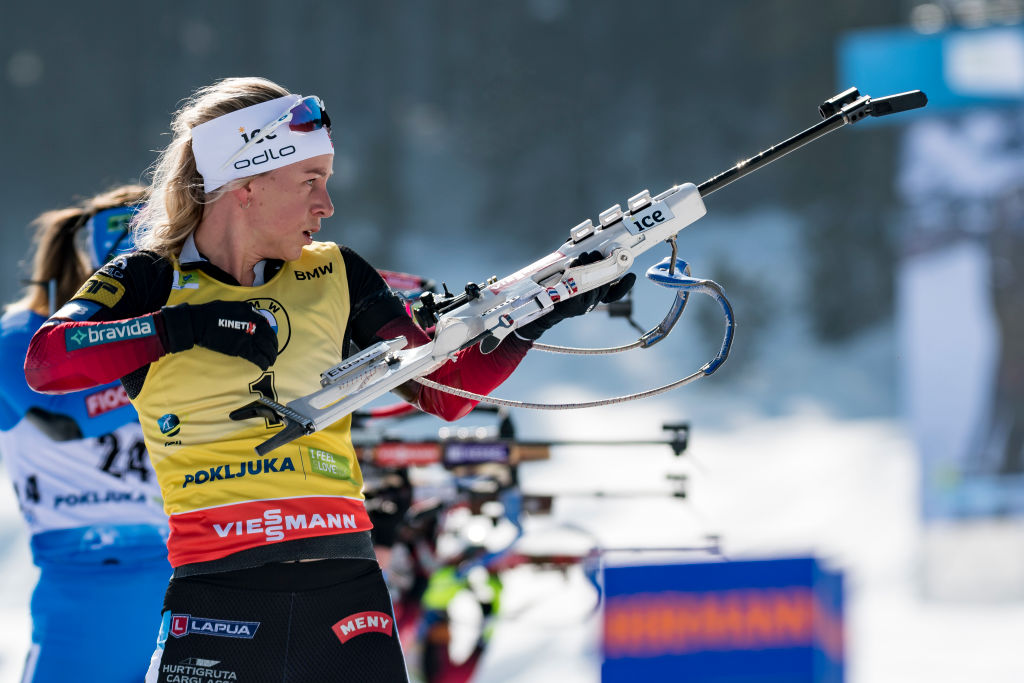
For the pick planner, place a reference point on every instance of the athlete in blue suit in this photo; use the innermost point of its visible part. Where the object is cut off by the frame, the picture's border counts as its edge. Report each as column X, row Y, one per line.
column 82, row 475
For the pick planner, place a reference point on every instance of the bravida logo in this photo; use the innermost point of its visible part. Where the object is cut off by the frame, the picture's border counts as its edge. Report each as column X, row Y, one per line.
column 105, row 333
column 363, row 622
column 315, row 273
column 185, row 624
column 105, row 400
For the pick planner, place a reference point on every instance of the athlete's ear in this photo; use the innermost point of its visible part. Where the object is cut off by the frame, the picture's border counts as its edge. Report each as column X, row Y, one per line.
column 243, row 195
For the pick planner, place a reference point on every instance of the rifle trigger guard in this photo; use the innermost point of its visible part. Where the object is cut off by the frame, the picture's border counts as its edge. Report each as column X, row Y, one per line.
column 604, row 271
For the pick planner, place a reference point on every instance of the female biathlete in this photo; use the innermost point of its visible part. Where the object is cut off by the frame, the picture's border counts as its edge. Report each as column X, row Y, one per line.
column 231, row 297
column 81, row 473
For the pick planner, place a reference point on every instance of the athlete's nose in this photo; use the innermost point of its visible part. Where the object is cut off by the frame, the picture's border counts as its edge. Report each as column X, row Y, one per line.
column 323, row 206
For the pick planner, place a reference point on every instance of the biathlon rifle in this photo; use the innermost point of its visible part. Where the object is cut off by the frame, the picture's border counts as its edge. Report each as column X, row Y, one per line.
column 486, row 313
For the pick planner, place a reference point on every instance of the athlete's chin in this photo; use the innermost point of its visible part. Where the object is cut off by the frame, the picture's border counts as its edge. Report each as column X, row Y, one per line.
column 290, row 252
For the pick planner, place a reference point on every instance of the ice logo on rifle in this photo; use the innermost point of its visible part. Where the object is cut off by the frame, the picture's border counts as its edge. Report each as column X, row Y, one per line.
column 653, row 215
column 169, row 424
column 185, row 624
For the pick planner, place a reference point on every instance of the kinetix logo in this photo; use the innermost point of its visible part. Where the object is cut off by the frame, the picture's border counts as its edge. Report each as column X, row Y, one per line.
column 247, row 327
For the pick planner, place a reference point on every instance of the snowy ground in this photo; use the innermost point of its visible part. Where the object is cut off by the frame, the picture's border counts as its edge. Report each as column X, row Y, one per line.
column 17, row 577
column 842, row 490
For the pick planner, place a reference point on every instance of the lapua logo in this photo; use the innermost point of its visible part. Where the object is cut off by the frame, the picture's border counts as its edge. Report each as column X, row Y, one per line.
column 184, row 624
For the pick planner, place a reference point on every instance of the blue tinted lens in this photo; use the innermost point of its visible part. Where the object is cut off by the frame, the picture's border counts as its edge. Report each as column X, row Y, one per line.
column 109, row 234
column 309, row 115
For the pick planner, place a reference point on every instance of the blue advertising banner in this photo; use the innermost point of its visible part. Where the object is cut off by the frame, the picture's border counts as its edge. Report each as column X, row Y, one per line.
column 758, row 620
column 957, row 69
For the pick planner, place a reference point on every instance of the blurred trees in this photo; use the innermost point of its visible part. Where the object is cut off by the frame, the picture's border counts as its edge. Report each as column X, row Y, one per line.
column 517, row 118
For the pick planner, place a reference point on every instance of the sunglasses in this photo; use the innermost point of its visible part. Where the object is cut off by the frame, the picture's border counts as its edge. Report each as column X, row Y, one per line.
column 305, row 116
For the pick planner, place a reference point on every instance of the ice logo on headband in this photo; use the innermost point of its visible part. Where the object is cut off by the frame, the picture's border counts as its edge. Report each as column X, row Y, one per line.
column 108, row 234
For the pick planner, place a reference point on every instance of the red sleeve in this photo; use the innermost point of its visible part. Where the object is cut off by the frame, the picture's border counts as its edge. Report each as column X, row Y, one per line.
column 71, row 356
column 470, row 369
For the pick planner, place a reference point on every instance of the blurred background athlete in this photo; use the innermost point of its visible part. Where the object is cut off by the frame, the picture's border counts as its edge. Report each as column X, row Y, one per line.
column 81, row 473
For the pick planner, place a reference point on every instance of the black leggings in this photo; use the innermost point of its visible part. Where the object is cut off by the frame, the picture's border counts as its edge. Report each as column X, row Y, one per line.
column 328, row 620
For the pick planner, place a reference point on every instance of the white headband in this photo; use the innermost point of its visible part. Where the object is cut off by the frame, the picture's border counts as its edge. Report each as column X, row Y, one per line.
column 215, row 141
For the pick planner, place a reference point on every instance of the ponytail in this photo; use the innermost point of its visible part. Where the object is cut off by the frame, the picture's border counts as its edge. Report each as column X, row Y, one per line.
column 56, row 259
column 59, row 258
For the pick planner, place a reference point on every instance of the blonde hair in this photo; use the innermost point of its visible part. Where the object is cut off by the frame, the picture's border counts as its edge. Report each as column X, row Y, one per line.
column 177, row 198
column 58, row 255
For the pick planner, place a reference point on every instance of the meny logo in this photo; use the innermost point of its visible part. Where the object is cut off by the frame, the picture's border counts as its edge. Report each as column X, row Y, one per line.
column 362, row 622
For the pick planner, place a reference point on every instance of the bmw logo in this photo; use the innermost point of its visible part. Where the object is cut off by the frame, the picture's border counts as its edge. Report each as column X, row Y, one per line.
column 277, row 316
column 169, row 424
